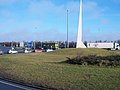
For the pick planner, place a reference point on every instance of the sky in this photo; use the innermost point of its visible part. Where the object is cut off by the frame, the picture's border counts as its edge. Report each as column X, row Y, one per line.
column 46, row 20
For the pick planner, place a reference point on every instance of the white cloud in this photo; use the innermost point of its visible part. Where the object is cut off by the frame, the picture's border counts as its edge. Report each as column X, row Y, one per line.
column 39, row 11
column 17, row 35
column 44, row 8
column 26, row 35
column 51, row 35
column 102, row 36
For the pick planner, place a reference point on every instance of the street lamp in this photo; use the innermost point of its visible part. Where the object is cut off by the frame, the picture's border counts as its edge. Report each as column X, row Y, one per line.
column 67, row 31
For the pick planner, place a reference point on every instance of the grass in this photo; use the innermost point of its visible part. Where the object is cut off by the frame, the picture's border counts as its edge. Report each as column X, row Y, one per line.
column 46, row 69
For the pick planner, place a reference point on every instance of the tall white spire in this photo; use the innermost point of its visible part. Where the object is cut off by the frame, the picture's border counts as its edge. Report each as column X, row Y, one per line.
column 79, row 36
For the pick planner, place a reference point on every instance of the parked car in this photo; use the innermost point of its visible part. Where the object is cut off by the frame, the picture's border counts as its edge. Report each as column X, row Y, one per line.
column 1, row 52
column 28, row 51
column 38, row 51
column 49, row 50
column 11, row 51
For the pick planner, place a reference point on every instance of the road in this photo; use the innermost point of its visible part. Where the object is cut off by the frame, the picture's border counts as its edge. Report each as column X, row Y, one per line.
column 4, row 85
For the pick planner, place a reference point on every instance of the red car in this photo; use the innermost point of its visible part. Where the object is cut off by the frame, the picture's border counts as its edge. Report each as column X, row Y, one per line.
column 38, row 51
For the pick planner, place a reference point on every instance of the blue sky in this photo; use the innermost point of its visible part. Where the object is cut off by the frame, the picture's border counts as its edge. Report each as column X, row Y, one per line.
column 45, row 20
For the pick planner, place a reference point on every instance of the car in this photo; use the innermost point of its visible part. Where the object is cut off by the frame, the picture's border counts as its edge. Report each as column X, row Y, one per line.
column 49, row 50
column 38, row 51
column 12, row 51
column 28, row 51
column 1, row 52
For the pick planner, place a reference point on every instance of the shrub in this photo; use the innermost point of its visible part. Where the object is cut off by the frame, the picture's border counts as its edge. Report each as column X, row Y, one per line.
column 95, row 60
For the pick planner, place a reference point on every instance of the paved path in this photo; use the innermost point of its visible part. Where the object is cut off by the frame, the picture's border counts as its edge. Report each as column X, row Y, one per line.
column 10, row 86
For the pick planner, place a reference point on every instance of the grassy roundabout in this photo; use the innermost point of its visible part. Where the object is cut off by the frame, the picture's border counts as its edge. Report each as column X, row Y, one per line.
column 47, row 70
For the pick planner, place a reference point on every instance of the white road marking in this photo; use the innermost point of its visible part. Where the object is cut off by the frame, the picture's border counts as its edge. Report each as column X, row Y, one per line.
column 17, row 86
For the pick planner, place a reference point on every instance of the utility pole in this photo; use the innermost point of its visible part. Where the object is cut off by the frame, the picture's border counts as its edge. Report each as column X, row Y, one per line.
column 34, row 45
column 67, row 31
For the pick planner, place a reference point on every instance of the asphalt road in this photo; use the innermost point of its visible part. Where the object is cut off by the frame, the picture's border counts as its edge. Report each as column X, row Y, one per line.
column 4, row 85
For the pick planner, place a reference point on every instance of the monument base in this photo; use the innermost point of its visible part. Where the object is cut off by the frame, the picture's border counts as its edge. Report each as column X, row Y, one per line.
column 80, row 45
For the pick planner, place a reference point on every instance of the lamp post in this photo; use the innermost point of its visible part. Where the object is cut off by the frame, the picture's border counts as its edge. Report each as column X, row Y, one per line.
column 67, row 31
column 34, row 46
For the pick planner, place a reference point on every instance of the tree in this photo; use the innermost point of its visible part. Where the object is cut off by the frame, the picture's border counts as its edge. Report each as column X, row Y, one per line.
column 118, row 41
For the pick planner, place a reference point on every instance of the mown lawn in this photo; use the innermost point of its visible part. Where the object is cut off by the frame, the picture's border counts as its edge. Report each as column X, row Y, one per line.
column 47, row 69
